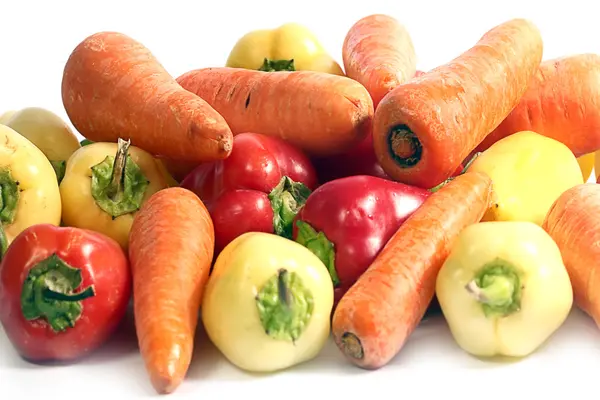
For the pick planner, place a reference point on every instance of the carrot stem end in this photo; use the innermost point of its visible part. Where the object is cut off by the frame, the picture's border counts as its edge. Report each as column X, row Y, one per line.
column 351, row 346
column 405, row 147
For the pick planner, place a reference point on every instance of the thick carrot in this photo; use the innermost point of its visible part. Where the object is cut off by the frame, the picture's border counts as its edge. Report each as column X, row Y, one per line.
column 376, row 316
column 424, row 128
column 322, row 114
column 562, row 102
column 171, row 247
column 113, row 87
column 573, row 222
column 379, row 53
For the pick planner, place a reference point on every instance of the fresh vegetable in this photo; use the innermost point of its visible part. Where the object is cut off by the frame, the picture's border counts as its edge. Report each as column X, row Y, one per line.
column 267, row 304
column 6, row 115
column 63, row 292
column 586, row 164
column 529, row 172
column 346, row 223
column 320, row 113
column 49, row 133
column 289, row 47
column 177, row 169
column 28, row 185
column 379, row 53
column 104, row 186
column 259, row 188
column 504, row 289
column 380, row 311
column 113, row 87
column 573, row 222
column 424, row 128
column 561, row 103
column 170, row 250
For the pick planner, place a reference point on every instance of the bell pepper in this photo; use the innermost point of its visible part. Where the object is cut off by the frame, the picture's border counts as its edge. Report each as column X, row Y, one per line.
column 49, row 133
column 504, row 289
column 63, row 292
column 346, row 222
column 267, row 303
column 28, row 185
column 529, row 172
column 290, row 47
column 104, row 186
column 258, row 188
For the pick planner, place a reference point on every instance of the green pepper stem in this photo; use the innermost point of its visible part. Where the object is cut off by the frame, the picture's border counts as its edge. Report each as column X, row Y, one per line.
column 277, row 65
column 115, row 188
column 87, row 293
column 9, row 196
column 286, row 200
column 3, row 242
column 320, row 246
column 404, row 146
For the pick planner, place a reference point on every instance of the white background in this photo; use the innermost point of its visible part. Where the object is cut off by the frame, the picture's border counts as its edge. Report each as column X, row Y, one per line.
column 36, row 38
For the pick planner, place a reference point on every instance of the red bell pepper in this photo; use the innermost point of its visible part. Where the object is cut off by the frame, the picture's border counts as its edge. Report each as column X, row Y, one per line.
column 258, row 188
column 346, row 222
column 63, row 292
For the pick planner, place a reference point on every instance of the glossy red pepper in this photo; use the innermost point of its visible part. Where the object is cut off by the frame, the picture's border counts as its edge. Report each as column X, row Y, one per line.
column 258, row 188
column 63, row 292
column 346, row 222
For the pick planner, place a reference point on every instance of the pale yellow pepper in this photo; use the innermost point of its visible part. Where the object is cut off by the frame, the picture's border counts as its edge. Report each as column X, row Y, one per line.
column 49, row 133
column 104, row 186
column 267, row 304
column 504, row 289
column 30, row 193
column 290, row 47
column 529, row 171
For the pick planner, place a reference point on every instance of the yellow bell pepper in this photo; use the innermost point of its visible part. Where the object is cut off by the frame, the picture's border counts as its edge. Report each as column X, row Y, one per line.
column 290, row 47
column 49, row 133
column 28, row 185
column 104, row 186
column 529, row 172
column 267, row 304
column 586, row 164
column 504, row 289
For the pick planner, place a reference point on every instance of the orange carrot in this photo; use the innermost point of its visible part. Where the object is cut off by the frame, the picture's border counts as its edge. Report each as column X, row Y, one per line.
column 113, row 87
column 424, row 128
column 171, row 247
column 378, row 52
column 573, row 222
column 562, row 102
column 376, row 316
column 320, row 113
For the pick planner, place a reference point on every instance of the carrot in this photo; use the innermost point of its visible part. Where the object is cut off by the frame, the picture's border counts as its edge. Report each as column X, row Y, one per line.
column 375, row 317
column 424, row 128
column 378, row 52
column 113, row 87
column 171, row 247
column 562, row 102
column 321, row 114
column 573, row 222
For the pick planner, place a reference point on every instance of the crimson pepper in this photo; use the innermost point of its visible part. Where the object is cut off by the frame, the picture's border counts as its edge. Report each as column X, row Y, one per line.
column 63, row 292
column 346, row 222
column 259, row 188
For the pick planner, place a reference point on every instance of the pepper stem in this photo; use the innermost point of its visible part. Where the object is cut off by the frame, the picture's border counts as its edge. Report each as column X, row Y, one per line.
column 117, row 181
column 320, row 246
column 9, row 196
column 286, row 200
column 497, row 287
column 60, row 168
column 3, row 242
column 277, row 65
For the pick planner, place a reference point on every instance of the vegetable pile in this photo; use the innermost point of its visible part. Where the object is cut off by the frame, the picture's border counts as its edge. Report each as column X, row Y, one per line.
column 283, row 198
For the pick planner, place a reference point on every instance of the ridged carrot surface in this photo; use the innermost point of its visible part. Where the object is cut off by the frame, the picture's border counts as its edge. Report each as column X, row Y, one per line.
column 170, row 249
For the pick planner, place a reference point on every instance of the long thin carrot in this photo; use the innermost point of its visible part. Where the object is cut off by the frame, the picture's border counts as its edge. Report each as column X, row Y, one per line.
column 113, row 87
column 424, row 128
column 170, row 249
column 379, row 53
column 376, row 316
column 322, row 114
column 573, row 222
column 562, row 102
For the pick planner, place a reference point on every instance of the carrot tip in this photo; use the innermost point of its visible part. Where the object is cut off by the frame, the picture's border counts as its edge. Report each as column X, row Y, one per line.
column 405, row 147
column 164, row 385
column 351, row 346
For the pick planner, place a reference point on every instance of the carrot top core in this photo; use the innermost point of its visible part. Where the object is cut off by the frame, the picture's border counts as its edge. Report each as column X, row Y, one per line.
column 405, row 147
column 285, row 306
column 497, row 286
column 320, row 246
column 48, row 293
column 9, row 196
column 118, row 184
column 351, row 346
column 277, row 65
